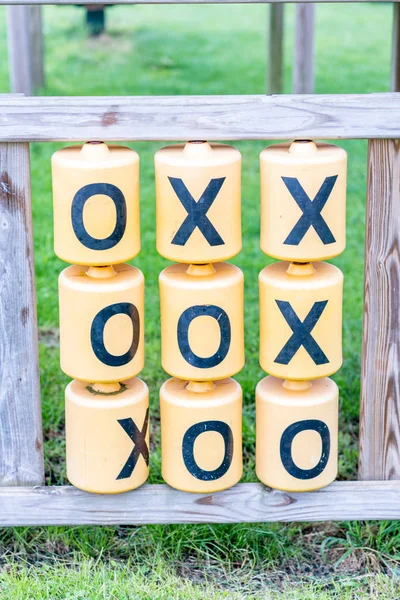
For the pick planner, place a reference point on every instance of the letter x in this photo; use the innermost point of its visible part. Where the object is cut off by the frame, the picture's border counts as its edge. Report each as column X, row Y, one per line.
column 140, row 448
column 311, row 211
column 197, row 212
column 301, row 333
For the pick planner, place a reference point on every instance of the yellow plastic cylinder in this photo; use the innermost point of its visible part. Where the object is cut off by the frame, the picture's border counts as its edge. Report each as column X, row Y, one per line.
column 198, row 202
column 107, row 435
column 303, row 201
column 301, row 320
column 297, row 433
column 101, row 322
column 96, row 204
column 201, row 434
column 202, row 330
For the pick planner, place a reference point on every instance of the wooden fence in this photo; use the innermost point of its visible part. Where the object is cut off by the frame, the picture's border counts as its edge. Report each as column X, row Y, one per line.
column 376, row 117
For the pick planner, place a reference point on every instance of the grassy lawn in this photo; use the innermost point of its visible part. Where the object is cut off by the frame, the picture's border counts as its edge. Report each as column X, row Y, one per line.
column 202, row 50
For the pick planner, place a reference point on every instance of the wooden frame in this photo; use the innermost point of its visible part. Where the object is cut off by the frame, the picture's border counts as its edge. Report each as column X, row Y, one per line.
column 244, row 503
column 163, row 118
column 213, row 117
column 22, row 120
column 21, row 441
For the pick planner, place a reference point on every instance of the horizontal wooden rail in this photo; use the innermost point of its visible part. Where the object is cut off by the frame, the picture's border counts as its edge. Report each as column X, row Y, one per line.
column 244, row 503
column 199, row 117
column 181, row 1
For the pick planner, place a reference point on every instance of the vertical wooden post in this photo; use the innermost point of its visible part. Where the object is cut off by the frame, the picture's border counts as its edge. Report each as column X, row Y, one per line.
column 25, row 48
column 379, row 456
column 21, row 443
column 303, row 64
column 36, row 41
column 275, row 49
column 395, row 82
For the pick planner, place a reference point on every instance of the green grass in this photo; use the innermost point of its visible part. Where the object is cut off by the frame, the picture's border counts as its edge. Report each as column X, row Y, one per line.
column 91, row 581
column 202, row 50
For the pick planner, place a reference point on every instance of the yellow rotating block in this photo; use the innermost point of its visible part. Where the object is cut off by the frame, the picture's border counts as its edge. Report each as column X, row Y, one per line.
column 303, row 201
column 101, row 322
column 198, row 202
column 107, row 435
column 301, row 320
column 201, row 434
column 202, row 330
column 297, row 433
column 96, row 204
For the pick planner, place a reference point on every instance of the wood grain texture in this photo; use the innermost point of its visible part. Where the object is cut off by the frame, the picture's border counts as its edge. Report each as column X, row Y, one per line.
column 395, row 72
column 88, row 2
column 379, row 456
column 199, row 117
column 275, row 60
column 21, row 443
column 244, row 503
column 25, row 48
column 303, row 63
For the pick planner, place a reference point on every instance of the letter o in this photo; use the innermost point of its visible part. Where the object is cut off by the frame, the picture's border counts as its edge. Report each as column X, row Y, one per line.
column 286, row 448
column 201, row 310
column 188, row 449
column 97, row 333
column 78, row 204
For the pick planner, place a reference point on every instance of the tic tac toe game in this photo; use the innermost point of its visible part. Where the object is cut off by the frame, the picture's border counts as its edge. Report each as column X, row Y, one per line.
column 198, row 230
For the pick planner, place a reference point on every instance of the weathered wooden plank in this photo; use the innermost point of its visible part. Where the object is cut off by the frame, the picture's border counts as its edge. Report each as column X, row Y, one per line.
column 395, row 78
column 275, row 49
column 244, row 503
column 379, row 456
column 21, row 451
column 199, row 117
column 303, row 63
column 87, row 2
column 25, row 48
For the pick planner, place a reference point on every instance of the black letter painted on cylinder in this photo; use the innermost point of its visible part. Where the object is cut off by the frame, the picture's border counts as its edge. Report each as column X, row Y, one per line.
column 188, row 449
column 286, row 448
column 204, row 310
column 311, row 210
column 138, row 437
column 78, row 203
column 197, row 212
column 301, row 335
column 97, row 333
